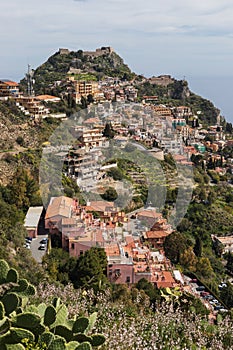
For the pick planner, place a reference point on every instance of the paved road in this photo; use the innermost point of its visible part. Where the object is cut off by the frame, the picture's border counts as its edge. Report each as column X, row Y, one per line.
column 36, row 253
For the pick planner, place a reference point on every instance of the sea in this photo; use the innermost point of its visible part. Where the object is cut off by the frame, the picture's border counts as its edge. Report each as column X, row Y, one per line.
column 219, row 90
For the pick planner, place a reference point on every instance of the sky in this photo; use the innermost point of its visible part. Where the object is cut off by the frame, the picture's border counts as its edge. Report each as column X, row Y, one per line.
column 184, row 38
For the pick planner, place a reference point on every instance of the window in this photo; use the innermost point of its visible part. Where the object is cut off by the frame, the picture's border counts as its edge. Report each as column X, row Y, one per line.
column 117, row 272
column 72, row 246
column 81, row 252
column 128, row 279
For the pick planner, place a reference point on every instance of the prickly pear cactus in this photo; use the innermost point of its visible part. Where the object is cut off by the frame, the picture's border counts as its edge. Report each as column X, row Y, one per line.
column 39, row 327
column 4, row 268
column 11, row 301
column 12, row 276
column 84, row 346
column 50, row 315
column 81, row 325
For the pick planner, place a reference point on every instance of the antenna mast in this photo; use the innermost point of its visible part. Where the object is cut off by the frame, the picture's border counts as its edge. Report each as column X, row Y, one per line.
column 30, row 81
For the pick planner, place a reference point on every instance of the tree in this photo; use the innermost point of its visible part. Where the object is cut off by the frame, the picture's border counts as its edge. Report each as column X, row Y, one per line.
column 149, row 289
column 226, row 294
column 204, row 268
column 59, row 264
column 20, row 140
column 110, row 194
column 229, row 128
column 89, row 271
column 83, row 102
column 184, row 225
column 229, row 264
column 188, row 259
column 90, row 98
column 108, row 131
column 116, row 174
column 175, row 244
column 198, row 247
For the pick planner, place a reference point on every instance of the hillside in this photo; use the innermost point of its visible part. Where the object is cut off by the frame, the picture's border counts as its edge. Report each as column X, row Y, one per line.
column 19, row 136
column 156, row 315
column 87, row 65
column 105, row 62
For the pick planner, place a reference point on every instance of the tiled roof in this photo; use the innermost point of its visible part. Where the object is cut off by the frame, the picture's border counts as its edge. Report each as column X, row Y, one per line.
column 112, row 250
column 150, row 213
column 59, row 206
column 99, row 206
column 47, row 97
column 156, row 234
column 68, row 221
column 9, row 82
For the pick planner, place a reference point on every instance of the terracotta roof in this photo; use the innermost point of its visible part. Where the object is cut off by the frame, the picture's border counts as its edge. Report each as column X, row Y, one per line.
column 129, row 239
column 68, row 221
column 91, row 121
column 112, row 250
column 156, row 234
column 99, row 206
column 47, row 97
column 150, row 213
column 59, row 206
column 9, row 82
column 165, row 279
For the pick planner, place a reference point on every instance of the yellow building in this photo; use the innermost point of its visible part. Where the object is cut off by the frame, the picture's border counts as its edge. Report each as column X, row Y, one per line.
column 84, row 88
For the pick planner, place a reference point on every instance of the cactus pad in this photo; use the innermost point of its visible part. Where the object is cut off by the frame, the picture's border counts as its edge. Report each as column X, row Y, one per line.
column 80, row 325
column 49, row 316
column 12, row 276
column 57, row 344
column 18, row 334
column 84, row 346
column 27, row 320
column 46, row 338
column 2, row 311
column 4, row 268
column 11, row 302
column 80, row 337
column 97, row 339
column 72, row 345
column 63, row 332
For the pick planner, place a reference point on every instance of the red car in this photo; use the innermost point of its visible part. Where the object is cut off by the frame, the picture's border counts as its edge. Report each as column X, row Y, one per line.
column 193, row 280
column 203, row 294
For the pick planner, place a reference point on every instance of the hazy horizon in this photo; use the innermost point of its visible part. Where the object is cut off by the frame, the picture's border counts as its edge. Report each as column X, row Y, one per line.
column 181, row 38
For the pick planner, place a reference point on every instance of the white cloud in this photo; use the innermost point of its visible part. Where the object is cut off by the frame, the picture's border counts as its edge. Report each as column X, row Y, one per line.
column 195, row 36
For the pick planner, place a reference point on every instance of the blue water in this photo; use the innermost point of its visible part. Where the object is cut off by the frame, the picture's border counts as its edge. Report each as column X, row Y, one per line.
column 219, row 90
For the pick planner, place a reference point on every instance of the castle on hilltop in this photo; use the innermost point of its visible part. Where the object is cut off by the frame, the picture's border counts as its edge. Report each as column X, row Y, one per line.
column 98, row 52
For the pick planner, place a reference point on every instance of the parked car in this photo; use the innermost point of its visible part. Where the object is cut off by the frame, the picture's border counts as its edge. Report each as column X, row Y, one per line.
column 28, row 238
column 200, row 288
column 193, row 280
column 218, row 307
column 204, row 294
column 43, row 241
column 42, row 247
column 27, row 245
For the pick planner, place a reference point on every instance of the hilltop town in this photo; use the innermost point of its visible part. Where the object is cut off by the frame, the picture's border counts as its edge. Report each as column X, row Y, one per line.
column 132, row 137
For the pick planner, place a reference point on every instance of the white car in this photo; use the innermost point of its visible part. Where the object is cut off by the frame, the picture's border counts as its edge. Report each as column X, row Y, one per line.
column 27, row 245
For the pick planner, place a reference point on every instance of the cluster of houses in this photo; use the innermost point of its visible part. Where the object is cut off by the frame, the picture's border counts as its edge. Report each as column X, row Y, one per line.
column 32, row 106
column 131, row 255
